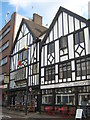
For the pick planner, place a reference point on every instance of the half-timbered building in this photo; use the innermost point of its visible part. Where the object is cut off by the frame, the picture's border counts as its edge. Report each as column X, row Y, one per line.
column 25, row 64
column 65, row 59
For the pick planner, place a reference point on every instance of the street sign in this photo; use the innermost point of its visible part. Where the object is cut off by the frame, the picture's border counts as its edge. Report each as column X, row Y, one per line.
column 6, row 79
column 79, row 113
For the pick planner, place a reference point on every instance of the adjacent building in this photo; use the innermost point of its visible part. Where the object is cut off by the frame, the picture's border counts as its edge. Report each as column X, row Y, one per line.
column 65, row 61
column 7, row 37
column 25, row 64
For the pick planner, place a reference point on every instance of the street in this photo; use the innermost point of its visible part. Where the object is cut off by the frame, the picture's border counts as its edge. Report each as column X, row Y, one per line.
column 20, row 115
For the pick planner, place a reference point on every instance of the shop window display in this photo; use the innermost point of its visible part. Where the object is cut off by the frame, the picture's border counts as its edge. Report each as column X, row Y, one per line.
column 68, row 99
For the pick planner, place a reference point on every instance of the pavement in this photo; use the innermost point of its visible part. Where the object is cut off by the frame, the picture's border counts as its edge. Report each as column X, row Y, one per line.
column 20, row 115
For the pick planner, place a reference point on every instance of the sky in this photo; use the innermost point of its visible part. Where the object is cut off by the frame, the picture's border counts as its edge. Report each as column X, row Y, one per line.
column 46, row 8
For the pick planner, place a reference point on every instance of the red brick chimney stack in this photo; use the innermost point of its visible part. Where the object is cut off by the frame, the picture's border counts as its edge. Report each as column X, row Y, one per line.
column 37, row 19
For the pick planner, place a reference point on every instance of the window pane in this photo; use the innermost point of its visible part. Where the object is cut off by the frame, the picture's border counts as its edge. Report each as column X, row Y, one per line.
column 24, row 54
column 20, row 57
column 50, row 73
column 81, row 36
column 51, row 48
column 76, row 39
column 63, row 43
column 64, row 99
column 88, row 67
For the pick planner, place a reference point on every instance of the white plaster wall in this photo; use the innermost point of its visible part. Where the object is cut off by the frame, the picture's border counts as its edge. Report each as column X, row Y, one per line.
column 87, row 40
column 71, row 46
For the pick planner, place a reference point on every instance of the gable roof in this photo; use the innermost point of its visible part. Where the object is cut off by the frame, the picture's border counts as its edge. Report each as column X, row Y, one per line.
column 61, row 9
column 35, row 29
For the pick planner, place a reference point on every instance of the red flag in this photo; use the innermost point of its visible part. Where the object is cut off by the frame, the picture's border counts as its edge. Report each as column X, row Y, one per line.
column 19, row 63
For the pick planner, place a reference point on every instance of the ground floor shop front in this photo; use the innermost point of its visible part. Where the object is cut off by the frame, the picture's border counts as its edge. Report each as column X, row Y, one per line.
column 71, row 97
column 17, row 99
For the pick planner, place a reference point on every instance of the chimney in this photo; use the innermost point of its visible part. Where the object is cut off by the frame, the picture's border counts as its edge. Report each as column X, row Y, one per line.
column 37, row 19
column 89, row 10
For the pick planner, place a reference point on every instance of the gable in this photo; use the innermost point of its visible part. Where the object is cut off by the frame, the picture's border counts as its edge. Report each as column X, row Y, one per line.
column 24, row 37
column 65, row 22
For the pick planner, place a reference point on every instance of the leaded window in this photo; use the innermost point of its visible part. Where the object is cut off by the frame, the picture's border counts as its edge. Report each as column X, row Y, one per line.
column 79, row 37
column 88, row 66
column 80, row 68
column 22, row 55
column 51, row 48
column 65, row 70
column 63, row 43
column 50, row 73
column 34, row 69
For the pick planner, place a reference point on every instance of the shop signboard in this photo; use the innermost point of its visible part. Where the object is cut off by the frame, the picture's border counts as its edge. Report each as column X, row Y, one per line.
column 6, row 79
column 79, row 113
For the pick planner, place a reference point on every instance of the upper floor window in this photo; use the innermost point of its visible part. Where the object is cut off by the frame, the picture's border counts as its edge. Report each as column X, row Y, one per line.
column 51, row 48
column 4, row 33
column 34, row 69
column 63, row 43
column 79, row 37
column 22, row 55
column 3, row 61
column 65, row 70
column 50, row 73
column 4, row 46
column 80, row 68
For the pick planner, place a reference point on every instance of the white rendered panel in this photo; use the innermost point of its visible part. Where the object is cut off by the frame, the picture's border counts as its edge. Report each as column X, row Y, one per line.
column 51, row 36
column 73, row 76
column 68, row 79
column 76, row 55
column 28, row 42
column 83, row 24
column 87, row 41
column 56, row 69
column 42, row 56
column 32, row 50
column 60, row 25
column 71, row 24
column 71, row 46
column 56, row 51
column 73, row 65
column 29, row 53
column 56, row 78
column 23, row 42
column 77, row 24
column 70, row 84
column 25, row 30
column 20, row 35
column 29, row 82
column 47, row 41
column 42, row 72
column 65, row 23
column 31, row 39
column 63, row 58
column 38, row 52
column 53, row 81
column 55, row 31
column 37, row 80
column 45, row 55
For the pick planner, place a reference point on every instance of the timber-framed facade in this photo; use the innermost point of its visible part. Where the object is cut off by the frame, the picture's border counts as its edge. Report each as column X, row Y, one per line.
column 25, row 66
column 65, row 61
column 58, row 67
